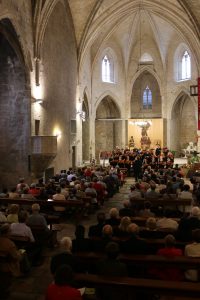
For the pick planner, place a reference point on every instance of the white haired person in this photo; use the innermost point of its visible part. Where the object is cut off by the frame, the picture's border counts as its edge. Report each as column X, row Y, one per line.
column 64, row 256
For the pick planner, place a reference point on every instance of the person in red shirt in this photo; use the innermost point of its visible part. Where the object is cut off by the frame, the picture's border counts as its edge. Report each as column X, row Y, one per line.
column 61, row 288
column 169, row 273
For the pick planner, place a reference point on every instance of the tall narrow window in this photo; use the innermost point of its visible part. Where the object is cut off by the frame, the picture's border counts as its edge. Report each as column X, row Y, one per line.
column 147, row 98
column 107, row 70
column 186, row 66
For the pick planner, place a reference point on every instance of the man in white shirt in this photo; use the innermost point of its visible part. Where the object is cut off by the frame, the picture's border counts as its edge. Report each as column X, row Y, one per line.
column 21, row 228
column 58, row 196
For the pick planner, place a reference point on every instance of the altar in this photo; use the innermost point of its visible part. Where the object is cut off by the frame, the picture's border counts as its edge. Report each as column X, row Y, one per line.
column 146, row 137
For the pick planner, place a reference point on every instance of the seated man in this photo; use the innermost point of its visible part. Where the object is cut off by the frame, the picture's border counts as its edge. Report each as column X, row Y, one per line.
column 110, row 266
column 96, row 230
column 36, row 218
column 57, row 197
column 126, row 210
column 38, row 222
column 80, row 243
column 133, row 244
column 21, row 228
column 152, row 194
column 166, row 222
column 188, row 224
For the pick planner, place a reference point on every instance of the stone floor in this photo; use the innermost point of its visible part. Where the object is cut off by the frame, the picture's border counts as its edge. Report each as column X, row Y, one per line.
column 33, row 286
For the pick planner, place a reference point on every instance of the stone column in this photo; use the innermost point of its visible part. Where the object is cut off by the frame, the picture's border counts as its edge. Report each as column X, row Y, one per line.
column 92, row 138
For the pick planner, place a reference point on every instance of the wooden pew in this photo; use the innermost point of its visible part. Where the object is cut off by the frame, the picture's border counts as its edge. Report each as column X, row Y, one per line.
column 182, row 262
column 175, row 203
column 141, row 221
column 129, row 286
column 43, row 203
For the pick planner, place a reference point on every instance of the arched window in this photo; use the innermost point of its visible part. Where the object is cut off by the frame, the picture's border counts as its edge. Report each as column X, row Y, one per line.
column 107, row 70
column 147, row 98
column 186, row 66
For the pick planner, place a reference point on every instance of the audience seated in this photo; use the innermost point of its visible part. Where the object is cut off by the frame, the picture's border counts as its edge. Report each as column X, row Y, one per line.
column 91, row 192
column 114, row 217
column 169, row 273
column 151, row 230
column 25, row 194
column 146, row 212
column 110, row 266
column 80, row 243
column 107, row 235
column 135, row 193
column 21, row 228
column 64, row 256
column 151, row 193
column 38, row 224
column 122, row 229
column 59, row 197
column 13, row 214
column 61, row 288
column 165, row 222
column 21, row 185
column 8, row 248
column 96, row 230
column 36, row 218
column 193, row 250
column 133, row 244
column 34, row 191
column 2, row 217
column 126, row 210
column 189, row 223
column 13, row 193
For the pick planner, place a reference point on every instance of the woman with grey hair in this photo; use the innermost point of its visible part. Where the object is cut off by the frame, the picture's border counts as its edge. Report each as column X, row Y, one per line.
column 64, row 256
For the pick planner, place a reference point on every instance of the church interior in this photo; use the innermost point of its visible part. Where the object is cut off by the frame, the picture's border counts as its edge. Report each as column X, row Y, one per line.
column 74, row 75
column 80, row 78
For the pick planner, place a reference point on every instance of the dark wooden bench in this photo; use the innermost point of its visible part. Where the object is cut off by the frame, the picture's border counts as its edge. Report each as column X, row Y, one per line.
column 130, row 286
column 182, row 262
column 141, row 221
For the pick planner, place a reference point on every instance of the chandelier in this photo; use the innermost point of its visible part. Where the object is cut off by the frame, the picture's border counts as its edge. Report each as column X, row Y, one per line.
column 142, row 123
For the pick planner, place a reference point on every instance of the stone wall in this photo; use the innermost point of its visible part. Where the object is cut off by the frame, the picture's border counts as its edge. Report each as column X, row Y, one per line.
column 59, row 82
column 15, row 117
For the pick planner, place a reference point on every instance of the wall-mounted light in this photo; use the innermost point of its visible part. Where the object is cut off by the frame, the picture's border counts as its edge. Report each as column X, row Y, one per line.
column 57, row 132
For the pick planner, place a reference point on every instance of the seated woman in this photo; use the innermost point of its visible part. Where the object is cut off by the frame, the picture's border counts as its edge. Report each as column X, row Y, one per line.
column 13, row 214
column 122, row 229
column 170, row 250
column 61, row 288
column 114, row 217
column 151, row 230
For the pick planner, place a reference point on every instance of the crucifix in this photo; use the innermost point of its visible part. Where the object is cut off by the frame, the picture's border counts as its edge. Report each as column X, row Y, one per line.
column 195, row 91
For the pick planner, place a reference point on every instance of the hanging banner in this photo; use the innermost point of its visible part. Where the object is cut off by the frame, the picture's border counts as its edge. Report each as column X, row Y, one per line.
column 199, row 103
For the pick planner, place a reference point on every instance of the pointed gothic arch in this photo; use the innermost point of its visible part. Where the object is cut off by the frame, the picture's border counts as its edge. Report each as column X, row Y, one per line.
column 107, row 126
column 182, row 132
